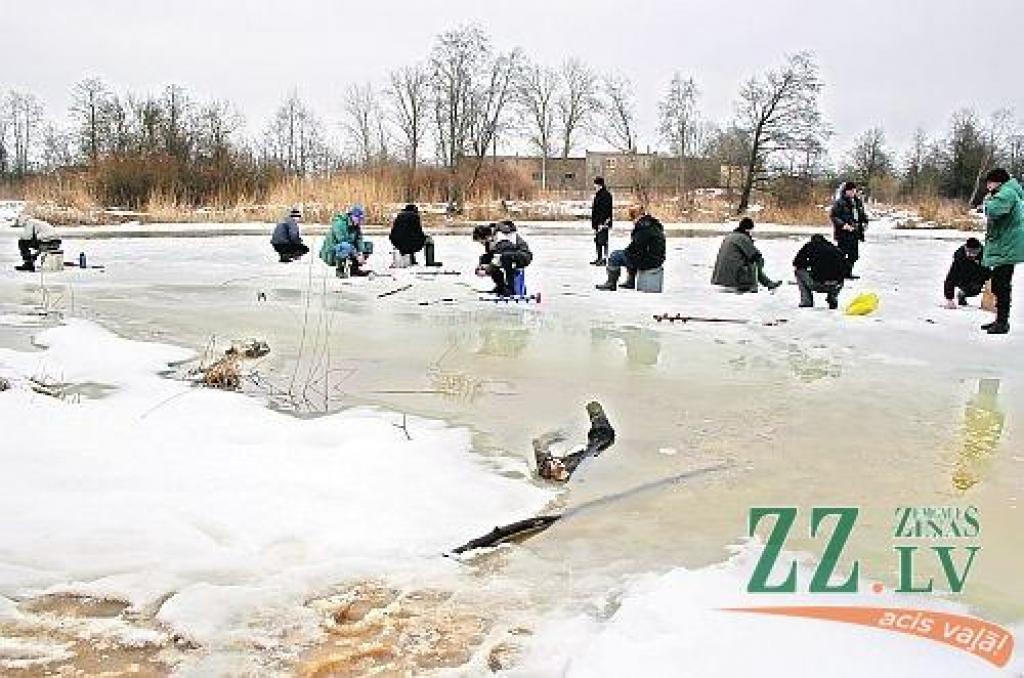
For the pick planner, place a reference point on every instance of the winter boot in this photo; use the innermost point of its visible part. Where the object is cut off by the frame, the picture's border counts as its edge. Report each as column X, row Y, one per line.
column 987, row 326
column 773, row 284
column 961, row 298
column 833, row 302
column 999, row 327
column 27, row 266
column 613, row 280
column 630, row 283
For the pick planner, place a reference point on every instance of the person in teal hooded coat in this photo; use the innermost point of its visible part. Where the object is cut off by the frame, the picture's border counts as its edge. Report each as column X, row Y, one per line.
column 1004, row 241
column 344, row 242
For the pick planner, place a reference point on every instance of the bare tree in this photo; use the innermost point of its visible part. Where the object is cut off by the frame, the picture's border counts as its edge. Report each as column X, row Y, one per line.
column 409, row 93
column 537, row 89
column 996, row 134
column 217, row 122
column 870, row 159
column 619, row 114
column 295, row 140
column 455, row 62
column 577, row 103
column 364, row 123
column 89, row 98
column 57, row 145
column 679, row 125
column 25, row 116
column 779, row 112
column 489, row 105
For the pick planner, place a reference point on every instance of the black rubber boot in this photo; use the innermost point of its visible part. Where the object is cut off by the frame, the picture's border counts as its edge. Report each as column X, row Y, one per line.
column 630, row 283
column 613, row 280
column 999, row 327
column 28, row 267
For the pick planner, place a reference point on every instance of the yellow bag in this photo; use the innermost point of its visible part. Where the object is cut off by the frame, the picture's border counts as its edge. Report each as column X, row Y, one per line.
column 863, row 304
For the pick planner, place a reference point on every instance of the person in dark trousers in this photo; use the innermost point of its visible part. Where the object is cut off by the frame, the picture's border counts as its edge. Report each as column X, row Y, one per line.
column 1004, row 241
column 966, row 273
column 601, row 221
column 286, row 240
column 646, row 250
column 820, row 266
column 407, row 232
column 849, row 220
column 505, row 252
column 37, row 236
column 740, row 265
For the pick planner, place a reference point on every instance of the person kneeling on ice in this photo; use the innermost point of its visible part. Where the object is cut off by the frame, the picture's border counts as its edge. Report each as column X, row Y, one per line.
column 1004, row 241
column 407, row 232
column 966, row 274
column 286, row 240
column 820, row 267
column 503, row 243
column 344, row 244
column 740, row 265
column 37, row 236
column 646, row 250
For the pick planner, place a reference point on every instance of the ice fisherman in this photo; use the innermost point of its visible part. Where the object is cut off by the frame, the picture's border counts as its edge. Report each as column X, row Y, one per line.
column 407, row 232
column 1004, row 241
column 646, row 250
column 286, row 239
column 37, row 236
column 505, row 252
column 849, row 221
column 740, row 265
column 601, row 220
column 820, row 266
column 966, row 274
column 344, row 243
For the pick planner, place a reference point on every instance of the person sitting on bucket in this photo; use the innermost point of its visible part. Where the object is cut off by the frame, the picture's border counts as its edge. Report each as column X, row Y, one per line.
column 501, row 241
column 407, row 233
column 37, row 236
column 344, row 241
column 740, row 265
column 286, row 240
column 966, row 273
column 820, row 266
column 646, row 250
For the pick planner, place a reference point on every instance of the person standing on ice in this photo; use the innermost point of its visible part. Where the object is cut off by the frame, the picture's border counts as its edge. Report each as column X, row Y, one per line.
column 601, row 221
column 501, row 241
column 849, row 220
column 286, row 240
column 740, row 265
column 819, row 266
column 1004, row 241
column 646, row 250
column 344, row 242
column 37, row 236
column 407, row 232
column 966, row 274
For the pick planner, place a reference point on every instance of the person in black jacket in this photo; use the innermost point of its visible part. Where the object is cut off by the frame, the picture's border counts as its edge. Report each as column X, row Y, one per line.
column 601, row 221
column 966, row 273
column 501, row 242
column 820, row 267
column 646, row 250
column 849, row 220
column 407, row 232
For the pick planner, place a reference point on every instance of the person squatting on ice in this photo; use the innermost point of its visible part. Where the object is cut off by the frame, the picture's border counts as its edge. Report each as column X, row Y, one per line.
column 286, row 240
column 966, row 274
column 407, row 232
column 740, row 265
column 502, row 243
column 344, row 245
column 1004, row 241
column 646, row 250
column 819, row 266
column 601, row 221
column 849, row 220
column 37, row 236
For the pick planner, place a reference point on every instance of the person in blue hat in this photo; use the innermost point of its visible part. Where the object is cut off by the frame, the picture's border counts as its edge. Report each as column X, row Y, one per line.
column 345, row 243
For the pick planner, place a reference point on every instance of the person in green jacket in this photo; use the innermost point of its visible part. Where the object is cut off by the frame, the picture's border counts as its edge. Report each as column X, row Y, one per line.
column 345, row 243
column 1004, row 241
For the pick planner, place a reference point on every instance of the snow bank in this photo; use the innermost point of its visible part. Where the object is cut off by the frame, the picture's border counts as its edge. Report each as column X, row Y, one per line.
column 212, row 509
column 674, row 625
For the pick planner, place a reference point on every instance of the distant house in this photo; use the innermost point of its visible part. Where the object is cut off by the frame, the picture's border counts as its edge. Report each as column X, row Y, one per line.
column 563, row 174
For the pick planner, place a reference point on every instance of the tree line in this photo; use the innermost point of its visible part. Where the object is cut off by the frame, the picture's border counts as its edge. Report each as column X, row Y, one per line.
column 446, row 114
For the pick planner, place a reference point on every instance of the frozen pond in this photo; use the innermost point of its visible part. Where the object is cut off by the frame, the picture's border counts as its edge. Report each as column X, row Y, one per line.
column 712, row 419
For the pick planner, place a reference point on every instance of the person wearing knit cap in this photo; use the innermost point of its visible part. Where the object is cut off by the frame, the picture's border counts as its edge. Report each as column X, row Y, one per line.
column 344, row 242
column 1004, row 241
column 849, row 221
column 740, row 265
column 286, row 239
column 407, row 232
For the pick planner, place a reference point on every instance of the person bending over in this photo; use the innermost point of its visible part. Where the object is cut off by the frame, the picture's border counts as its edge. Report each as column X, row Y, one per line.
column 740, row 265
column 344, row 243
column 820, row 266
column 286, row 240
column 646, row 250
column 966, row 274
column 505, row 252
column 407, row 232
column 37, row 236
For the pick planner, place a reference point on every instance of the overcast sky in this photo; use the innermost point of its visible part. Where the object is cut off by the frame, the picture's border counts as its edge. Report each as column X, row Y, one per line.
column 895, row 63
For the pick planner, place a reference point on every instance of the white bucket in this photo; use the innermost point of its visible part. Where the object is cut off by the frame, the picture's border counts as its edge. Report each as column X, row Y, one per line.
column 52, row 261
